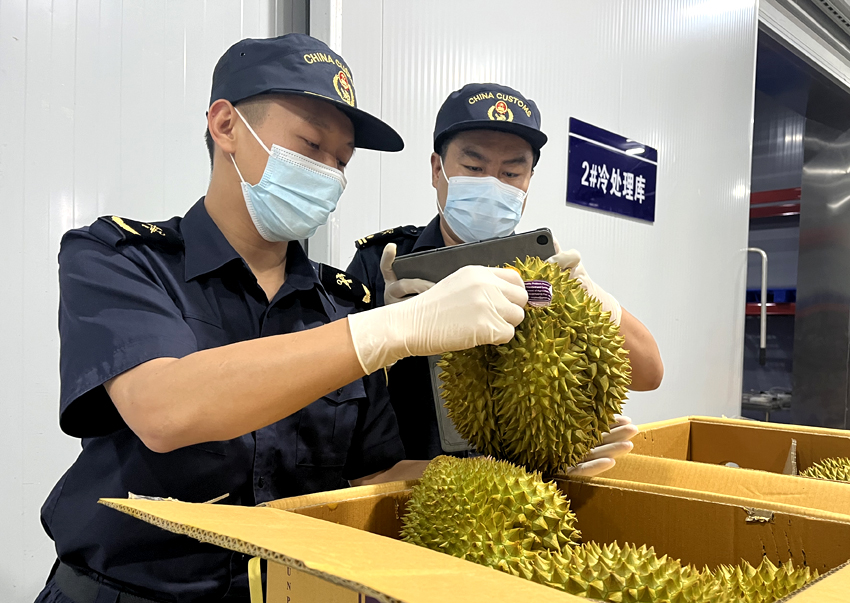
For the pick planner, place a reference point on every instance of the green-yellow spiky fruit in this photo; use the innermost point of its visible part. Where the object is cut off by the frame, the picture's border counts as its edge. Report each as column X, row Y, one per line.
column 499, row 515
column 545, row 398
column 630, row 574
column 487, row 511
column 763, row 584
column 836, row 469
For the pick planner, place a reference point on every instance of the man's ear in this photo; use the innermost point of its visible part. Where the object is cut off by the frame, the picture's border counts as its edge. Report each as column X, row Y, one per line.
column 436, row 169
column 221, row 121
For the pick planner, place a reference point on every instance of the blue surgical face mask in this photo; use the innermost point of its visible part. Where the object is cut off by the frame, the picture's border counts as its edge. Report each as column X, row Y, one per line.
column 479, row 208
column 295, row 195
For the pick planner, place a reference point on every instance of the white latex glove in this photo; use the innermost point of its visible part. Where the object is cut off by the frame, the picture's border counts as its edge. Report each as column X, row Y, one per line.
column 571, row 260
column 614, row 444
column 396, row 290
column 472, row 307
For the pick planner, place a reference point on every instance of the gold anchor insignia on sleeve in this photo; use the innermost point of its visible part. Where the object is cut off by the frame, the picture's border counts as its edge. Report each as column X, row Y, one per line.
column 368, row 297
column 341, row 280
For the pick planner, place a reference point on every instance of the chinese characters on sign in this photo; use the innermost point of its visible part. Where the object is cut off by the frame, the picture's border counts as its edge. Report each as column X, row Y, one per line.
column 633, row 189
column 609, row 172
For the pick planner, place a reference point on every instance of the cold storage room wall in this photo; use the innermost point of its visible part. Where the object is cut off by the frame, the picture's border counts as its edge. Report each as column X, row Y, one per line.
column 677, row 75
column 103, row 108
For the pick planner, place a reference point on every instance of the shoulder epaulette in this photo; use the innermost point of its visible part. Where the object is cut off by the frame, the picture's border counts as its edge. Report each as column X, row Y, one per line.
column 123, row 231
column 387, row 236
column 345, row 286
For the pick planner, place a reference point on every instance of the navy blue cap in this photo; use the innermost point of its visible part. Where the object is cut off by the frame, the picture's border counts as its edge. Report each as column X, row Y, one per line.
column 301, row 65
column 489, row 107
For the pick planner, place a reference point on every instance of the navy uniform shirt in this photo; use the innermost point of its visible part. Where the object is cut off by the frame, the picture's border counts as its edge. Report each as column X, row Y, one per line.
column 132, row 292
column 409, row 379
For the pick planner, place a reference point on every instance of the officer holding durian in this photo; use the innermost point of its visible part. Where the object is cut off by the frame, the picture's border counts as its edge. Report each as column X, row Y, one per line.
column 205, row 358
column 487, row 142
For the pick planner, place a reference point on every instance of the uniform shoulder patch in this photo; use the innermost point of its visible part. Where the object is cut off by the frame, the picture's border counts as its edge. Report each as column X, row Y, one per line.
column 388, row 236
column 124, row 231
column 345, row 286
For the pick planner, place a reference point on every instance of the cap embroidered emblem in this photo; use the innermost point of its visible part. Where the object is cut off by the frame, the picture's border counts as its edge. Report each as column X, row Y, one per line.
column 500, row 112
column 343, row 88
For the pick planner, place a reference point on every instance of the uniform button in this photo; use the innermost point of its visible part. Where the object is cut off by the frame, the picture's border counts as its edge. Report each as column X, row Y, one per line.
column 261, row 482
column 339, row 391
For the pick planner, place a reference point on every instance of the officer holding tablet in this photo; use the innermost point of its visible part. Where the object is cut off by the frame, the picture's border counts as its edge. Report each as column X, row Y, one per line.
column 487, row 141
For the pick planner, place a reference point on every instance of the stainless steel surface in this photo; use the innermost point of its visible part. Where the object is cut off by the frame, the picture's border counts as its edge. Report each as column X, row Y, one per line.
column 777, row 140
column 822, row 340
column 763, row 323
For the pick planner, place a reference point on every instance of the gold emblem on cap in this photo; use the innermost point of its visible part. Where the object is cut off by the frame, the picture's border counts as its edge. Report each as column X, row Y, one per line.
column 500, row 112
column 343, row 88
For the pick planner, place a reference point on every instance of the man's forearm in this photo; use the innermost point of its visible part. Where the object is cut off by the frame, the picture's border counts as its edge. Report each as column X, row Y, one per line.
column 647, row 367
column 223, row 393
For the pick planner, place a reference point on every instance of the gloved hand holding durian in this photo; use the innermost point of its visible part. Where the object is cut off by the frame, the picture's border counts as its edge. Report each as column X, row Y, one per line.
column 602, row 448
column 547, row 398
column 615, row 443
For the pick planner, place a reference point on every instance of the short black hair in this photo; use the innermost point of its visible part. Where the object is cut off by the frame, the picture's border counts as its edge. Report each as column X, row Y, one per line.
column 253, row 109
column 444, row 148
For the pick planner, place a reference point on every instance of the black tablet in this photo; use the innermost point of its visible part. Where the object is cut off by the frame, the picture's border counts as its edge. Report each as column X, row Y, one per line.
column 436, row 264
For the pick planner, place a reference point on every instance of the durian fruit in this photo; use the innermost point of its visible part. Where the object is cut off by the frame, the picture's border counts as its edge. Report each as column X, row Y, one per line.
column 631, row 574
column 499, row 515
column 545, row 398
column 487, row 511
column 837, row 469
column 764, row 584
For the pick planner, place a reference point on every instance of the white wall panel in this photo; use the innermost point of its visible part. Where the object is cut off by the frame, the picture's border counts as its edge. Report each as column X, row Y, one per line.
column 103, row 104
column 675, row 74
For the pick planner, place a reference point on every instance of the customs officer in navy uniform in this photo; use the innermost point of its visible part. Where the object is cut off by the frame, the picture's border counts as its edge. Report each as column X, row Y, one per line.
column 206, row 357
column 487, row 141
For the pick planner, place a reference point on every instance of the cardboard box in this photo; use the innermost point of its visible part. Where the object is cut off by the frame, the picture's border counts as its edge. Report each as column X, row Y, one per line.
column 749, row 444
column 341, row 546
column 762, row 489
column 311, row 560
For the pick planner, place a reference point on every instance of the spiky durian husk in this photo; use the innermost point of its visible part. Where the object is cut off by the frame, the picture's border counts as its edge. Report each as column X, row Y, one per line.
column 630, row 574
column 545, row 398
column 487, row 511
column 764, row 584
column 499, row 515
column 836, row 469
column 469, row 380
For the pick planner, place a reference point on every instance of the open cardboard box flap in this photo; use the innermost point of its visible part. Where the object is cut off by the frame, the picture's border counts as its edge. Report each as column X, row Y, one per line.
column 709, row 481
column 386, row 569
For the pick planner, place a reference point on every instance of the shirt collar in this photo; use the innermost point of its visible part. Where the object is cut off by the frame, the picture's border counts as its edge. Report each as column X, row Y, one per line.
column 302, row 274
column 206, row 247
column 431, row 237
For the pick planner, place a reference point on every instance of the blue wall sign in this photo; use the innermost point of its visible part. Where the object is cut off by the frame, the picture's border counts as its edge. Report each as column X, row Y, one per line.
column 608, row 172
